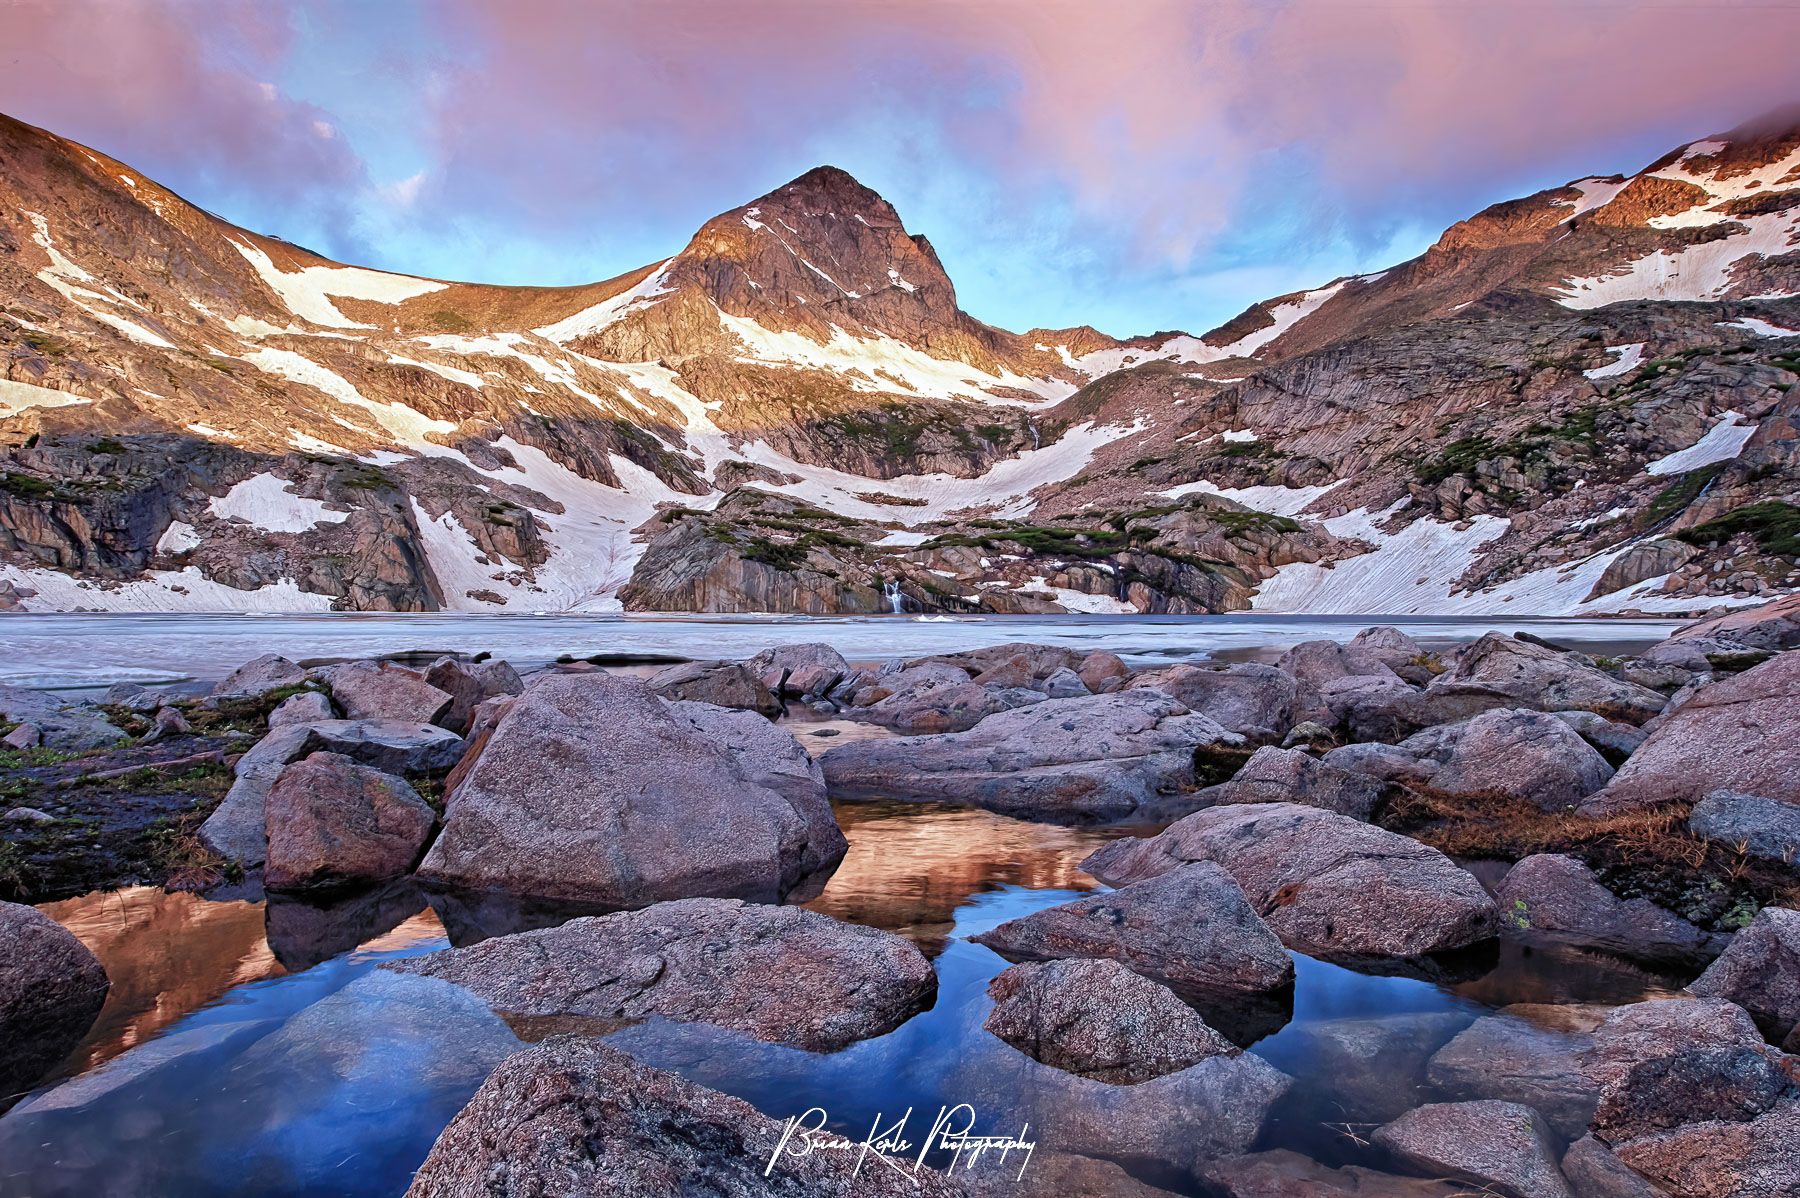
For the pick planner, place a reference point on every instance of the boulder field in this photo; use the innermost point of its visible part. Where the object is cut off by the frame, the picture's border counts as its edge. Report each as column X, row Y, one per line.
column 1375, row 804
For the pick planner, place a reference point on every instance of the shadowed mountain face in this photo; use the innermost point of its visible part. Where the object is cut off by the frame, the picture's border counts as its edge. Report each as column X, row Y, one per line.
column 1580, row 400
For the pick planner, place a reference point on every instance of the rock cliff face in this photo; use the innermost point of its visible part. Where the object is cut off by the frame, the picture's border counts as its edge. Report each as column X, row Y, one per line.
column 1577, row 401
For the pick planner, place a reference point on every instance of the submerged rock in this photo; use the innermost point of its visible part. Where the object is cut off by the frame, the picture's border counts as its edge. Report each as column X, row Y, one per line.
column 782, row 974
column 1528, row 1053
column 1094, row 759
column 1498, row 1144
column 1282, row 1173
column 591, row 790
column 51, row 990
column 1326, row 884
column 1098, row 1019
column 1191, row 925
column 573, row 1116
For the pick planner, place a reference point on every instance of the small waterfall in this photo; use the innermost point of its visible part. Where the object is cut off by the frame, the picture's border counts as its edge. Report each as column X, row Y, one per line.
column 894, row 596
column 1032, row 424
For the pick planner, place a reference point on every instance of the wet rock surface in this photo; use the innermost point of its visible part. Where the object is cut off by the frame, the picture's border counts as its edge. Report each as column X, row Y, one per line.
column 1527, row 1053
column 781, row 974
column 1099, row 1019
column 1191, row 925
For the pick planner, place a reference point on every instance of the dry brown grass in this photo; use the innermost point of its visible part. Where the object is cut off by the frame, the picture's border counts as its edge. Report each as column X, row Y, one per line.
column 1643, row 853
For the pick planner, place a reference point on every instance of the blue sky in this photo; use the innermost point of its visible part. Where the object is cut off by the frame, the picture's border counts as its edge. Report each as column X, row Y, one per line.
column 1135, row 165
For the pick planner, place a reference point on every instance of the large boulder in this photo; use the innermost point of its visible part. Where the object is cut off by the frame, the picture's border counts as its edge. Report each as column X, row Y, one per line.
column 1529, row 1053
column 1773, row 625
column 1191, row 925
column 1723, row 1158
column 266, row 673
column 1255, row 701
column 1501, row 1145
column 51, row 989
column 1558, row 895
column 1740, row 733
column 1511, row 754
column 1326, row 884
column 591, row 790
column 1084, row 760
column 574, row 1116
column 382, row 690
column 469, row 685
column 803, row 670
column 1692, row 1098
column 1314, row 663
column 1764, row 827
column 1532, row 675
column 307, row 707
column 782, row 974
column 770, row 756
column 333, row 822
column 237, row 828
column 1395, row 650
column 721, row 683
column 1760, row 971
column 1275, row 775
column 1099, row 1019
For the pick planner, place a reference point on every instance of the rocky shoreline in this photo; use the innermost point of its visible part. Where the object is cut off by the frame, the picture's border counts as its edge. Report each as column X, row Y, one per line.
column 1371, row 804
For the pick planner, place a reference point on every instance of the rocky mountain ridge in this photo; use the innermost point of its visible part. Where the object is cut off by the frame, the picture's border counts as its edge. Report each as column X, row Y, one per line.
column 1577, row 401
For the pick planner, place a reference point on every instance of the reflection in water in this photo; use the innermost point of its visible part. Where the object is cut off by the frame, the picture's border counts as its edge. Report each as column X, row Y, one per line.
column 910, row 867
column 167, row 954
column 335, row 1078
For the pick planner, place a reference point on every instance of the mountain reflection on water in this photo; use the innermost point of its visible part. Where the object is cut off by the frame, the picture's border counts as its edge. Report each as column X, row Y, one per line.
column 256, row 1048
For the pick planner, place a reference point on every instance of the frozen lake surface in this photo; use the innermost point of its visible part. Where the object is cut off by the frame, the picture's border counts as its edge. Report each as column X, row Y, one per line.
column 82, row 650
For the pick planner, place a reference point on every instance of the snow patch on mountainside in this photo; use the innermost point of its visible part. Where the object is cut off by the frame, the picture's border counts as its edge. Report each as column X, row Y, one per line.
column 610, row 311
column 184, row 590
column 270, row 504
column 1192, row 349
column 1695, row 272
column 1759, row 328
column 1595, row 193
column 1722, row 442
column 1275, row 500
column 307, row 292
column 888, row 365
column 1006, row 487
column 16, row 397
column 1628, row 359
column 407, row 424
